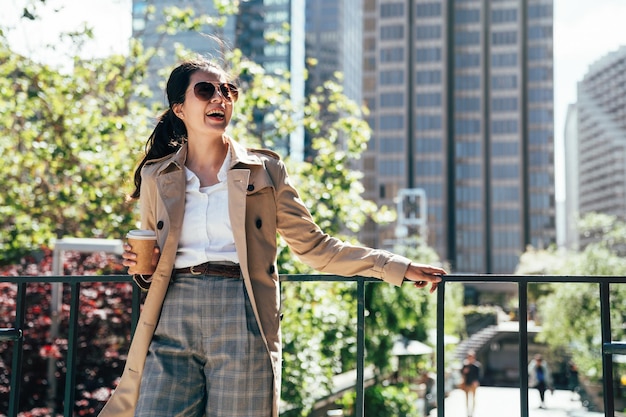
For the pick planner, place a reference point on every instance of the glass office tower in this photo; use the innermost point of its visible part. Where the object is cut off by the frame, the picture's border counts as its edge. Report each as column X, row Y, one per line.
column 461, row 93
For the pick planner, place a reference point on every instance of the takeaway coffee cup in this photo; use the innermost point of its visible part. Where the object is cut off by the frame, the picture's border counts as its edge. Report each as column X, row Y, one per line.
column 142, row 243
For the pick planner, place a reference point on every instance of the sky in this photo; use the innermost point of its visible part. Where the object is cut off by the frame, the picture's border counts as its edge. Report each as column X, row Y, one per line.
column 584, row 31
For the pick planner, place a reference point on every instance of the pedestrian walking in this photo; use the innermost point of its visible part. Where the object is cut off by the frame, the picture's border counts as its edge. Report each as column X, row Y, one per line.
column 208, row 339
column 539, row 377
column 470, row 373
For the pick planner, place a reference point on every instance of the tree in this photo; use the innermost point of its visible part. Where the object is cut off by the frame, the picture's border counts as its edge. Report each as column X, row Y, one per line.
column 570, row 313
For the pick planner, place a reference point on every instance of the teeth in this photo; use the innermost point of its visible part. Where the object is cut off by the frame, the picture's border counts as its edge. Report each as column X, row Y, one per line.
column 215, row 113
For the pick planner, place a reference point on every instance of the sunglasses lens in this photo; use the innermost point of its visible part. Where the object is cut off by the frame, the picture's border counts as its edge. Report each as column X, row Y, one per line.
column 204, row 90
column 229, row 92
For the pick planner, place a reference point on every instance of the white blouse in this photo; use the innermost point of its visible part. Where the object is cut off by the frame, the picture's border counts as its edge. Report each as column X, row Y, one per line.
column 207, row 235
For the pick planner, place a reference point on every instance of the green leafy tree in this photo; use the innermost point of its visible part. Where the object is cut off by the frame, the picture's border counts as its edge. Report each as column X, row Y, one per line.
column 66, row 145
column 570, row 313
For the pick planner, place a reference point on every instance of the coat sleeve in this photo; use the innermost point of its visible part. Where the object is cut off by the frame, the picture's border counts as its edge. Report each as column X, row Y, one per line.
column 321, row 251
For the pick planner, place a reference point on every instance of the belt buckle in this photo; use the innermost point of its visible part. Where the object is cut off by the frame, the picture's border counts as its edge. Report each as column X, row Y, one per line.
column 191, row 270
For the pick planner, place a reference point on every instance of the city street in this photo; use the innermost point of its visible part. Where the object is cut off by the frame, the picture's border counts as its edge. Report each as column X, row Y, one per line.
column 504, row 402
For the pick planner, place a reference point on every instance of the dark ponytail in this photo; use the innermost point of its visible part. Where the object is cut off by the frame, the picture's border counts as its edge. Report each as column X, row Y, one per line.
column 166, row 138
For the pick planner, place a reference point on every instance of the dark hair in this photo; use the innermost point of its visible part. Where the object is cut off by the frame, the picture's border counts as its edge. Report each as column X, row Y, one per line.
column 170, row 131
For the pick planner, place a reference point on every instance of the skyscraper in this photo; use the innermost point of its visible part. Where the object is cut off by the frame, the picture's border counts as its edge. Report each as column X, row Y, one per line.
column 461, row 99
column 601, row 128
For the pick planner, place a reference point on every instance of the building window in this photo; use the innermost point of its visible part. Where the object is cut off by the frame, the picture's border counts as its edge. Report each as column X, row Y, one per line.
column 392, row 77
column 428, row 100
column 392, row 10
column 506, row 239
column 391, row 145
column 466, row 104
column 540, row 116
column 539, row 137
column 428, row 54
column 395, row 99
column 539, row 95
column 467, row 82
column 428, row 32
column 392, row 55
column 504, row 38
column 504, row 126
column 539, row 159
column 540, row 180
column 469, row 216
column 466, row 60
column 537, row 53
column 466, row 193
column 428, row 77
column 468, row 149
column 464, row 38
column 391, row 32
column 505, row 216
column 428, row 9
column 505, row 171
column 468, row 171
column 391, row 122
column 540, row 32
column 428, row 122
column 504, row 149
column 467, row 126
column 536, row 11
column 391, row 167
column 462, row 16
column 432, row 190
column 504, row 15
column 503, row 104
column 428, row 168
column 504, row 82
column 505, row 194
column 539, row 74
column 504, row 60
column 428, row 145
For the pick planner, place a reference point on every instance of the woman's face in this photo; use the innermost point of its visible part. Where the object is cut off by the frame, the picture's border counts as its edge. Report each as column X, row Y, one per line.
column 207, row 109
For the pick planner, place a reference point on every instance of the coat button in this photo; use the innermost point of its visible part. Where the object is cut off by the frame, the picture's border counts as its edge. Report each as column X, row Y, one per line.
column 259, row 223
column 250, row 187
column 160, row 225
column 272, row 269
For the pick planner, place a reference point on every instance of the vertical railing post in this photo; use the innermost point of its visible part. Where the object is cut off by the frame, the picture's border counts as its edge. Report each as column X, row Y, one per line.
column 18, row 351
column 523, row 347
column 607, row 360
column 360, row 350
column 441, row 363
column 72, row 353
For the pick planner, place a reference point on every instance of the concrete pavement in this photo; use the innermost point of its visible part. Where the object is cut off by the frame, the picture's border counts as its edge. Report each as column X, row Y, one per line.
column 505, row 402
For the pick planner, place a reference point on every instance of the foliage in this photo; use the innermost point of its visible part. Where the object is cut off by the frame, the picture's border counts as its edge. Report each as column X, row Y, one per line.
column 72, row 147
column 66, row 149
column 384, row 401
column 570, row 313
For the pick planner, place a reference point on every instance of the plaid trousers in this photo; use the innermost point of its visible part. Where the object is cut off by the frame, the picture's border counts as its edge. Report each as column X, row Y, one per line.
column 207, row 357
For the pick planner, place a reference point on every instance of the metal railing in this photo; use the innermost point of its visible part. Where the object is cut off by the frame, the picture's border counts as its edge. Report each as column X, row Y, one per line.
column 609, row 347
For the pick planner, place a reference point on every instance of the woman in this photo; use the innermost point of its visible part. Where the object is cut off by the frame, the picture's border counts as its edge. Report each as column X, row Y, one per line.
column 216, row 208
column 471, row 380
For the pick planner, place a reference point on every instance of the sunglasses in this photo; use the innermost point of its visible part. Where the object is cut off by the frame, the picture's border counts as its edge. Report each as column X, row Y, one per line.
column 205, row 91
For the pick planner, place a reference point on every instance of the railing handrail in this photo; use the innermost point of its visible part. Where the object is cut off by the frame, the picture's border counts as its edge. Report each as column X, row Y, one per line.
column 521, row 281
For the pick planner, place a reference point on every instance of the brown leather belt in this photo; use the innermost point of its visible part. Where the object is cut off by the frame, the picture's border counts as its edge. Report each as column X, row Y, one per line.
column 212, row 268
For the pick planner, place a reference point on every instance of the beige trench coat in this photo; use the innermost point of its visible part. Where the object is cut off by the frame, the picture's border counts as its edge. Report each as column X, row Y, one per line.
column 261, row 203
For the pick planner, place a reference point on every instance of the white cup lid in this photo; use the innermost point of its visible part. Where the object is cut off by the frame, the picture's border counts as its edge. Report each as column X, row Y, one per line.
column 141, row 234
